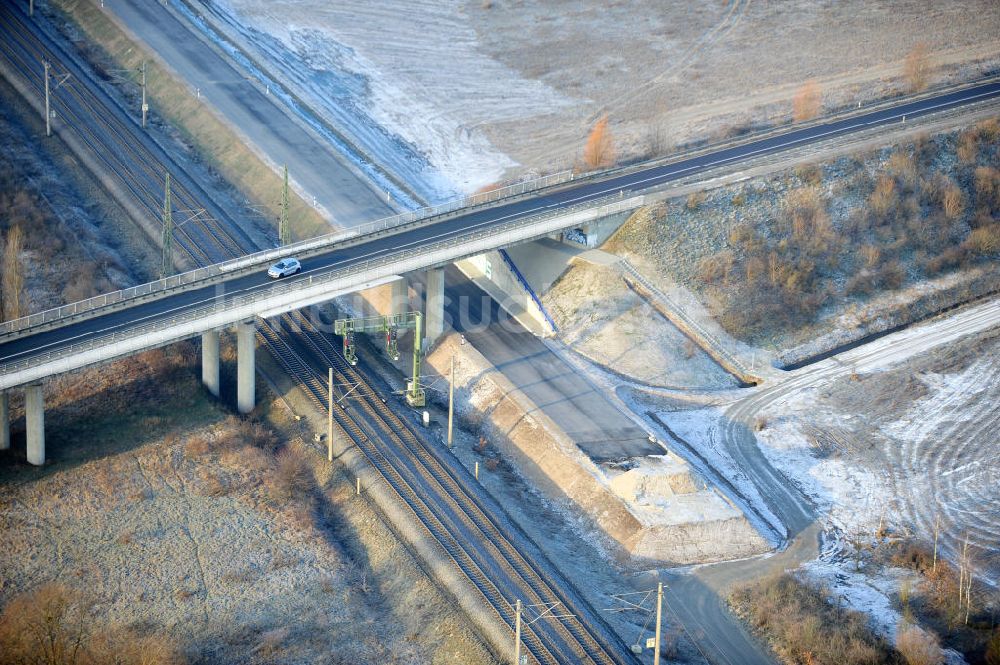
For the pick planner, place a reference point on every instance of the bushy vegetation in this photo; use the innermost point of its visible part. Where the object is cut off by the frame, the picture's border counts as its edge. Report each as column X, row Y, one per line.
column 929, row 207
column 807, row 627
column 599, row 151
column 55, row 625
column 946, row 598
column 35, row 241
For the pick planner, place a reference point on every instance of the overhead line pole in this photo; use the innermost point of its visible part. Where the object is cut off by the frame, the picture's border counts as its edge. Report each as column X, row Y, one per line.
column 451, row 398
column 517, row 634
column 48, row 117
column 167, row 258
column 145, row 106
column 329, row 421
column 659, row 612
column 284, row 233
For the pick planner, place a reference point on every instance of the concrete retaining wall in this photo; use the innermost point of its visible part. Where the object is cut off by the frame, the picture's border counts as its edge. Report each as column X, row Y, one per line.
column 547, row 458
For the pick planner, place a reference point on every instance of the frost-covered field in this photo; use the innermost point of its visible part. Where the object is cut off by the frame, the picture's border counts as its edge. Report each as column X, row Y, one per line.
column 454, row 95
column 913, row 447
column 896, row 437
column 406, row 80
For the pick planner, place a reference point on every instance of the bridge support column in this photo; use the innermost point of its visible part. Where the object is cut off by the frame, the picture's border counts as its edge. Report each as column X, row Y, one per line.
column 210, row 361
column 400, row 303
column 434, row 305
column 245, row 365
column 34, row 417
column 4, row 420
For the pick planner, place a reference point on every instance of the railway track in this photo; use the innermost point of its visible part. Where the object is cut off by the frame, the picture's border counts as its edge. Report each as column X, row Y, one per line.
column 496, row 557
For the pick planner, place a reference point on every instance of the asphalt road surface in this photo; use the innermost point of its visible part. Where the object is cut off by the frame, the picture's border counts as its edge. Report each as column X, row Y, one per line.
column 581, row 410
column 407, row 240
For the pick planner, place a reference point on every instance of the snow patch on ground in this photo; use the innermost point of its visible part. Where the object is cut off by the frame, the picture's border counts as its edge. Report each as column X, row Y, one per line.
column 861, row 591
column 699, row 429
column 849, row 495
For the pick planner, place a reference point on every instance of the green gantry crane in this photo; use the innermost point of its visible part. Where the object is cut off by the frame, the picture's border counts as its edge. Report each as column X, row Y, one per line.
column 389, row 326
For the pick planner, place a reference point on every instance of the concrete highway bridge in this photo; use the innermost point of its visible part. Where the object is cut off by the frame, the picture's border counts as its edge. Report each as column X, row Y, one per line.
column 236, row 292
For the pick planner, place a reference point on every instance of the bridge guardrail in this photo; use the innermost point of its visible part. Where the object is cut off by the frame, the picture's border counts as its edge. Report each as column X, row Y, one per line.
column 601, row 207
column 394, row 221
column 215, row 270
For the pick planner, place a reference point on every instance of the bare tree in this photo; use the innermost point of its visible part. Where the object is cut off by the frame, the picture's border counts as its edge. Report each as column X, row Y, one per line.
column 807, row 101
column 599, row 152
column 916, row 68
column 13, row 275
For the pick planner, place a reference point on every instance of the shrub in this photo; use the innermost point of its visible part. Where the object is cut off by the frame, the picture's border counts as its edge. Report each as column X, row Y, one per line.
column 48, row 625
column 716, row 268
column 916, row 68
column 986, row 180
column 871, row 255
column 810, row 174
column 82, row 285
column 918, row 647
column 953, row 202
column 196, row 446
column 13, row 275
column 54, row 625
column 755, row 269
column 967, row 150
column 599, row 152
column 903, row 168
column 807, row 210
column 892, row 275
column 805, row 626
column 291, row 478
column 992, row 655
column 695, row 199
column 883, row 198
column 988, row 129
column 807, row 101
column 984, row 241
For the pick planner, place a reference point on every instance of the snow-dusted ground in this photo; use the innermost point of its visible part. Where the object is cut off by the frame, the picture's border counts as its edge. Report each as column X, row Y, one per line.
column 412, row 96
column 899, row 434
column 452, row 95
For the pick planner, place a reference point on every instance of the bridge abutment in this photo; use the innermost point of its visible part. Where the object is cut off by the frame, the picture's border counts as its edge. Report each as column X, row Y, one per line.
column 34, row 417
column 210, row 361
column 434, row 305
column 4, row 420
column 245, row 366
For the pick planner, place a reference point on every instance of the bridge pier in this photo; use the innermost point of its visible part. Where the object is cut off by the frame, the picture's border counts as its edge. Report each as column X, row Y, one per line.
column 4, row 420
column 34, row 417
column 434, row 305
column 400, row 297
column 210, row 361
column 245, row 366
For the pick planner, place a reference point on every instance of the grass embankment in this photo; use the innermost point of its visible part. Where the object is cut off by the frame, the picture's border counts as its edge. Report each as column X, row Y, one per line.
column 212, row 138
column 776, row 256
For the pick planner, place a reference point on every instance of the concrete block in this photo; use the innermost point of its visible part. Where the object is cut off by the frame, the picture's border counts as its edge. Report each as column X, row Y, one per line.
column 400, row 303
column 34, row 416
column 434, row 306
column 4, row 420
column 210, row 361
column 245, row 366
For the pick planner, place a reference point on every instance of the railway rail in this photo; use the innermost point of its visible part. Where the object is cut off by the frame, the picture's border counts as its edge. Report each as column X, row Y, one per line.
column 498, row 559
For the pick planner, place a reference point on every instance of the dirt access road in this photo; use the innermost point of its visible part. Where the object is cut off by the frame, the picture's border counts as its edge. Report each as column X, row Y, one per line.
column 784, row 500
